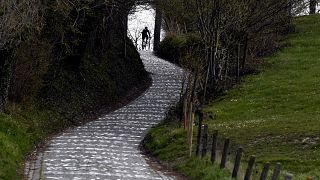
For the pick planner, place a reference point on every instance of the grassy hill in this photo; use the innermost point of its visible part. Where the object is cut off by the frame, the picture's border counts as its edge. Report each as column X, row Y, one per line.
column 275, row 115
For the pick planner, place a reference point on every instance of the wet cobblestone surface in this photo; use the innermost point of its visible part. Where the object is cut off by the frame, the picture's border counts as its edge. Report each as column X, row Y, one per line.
column 108, row 148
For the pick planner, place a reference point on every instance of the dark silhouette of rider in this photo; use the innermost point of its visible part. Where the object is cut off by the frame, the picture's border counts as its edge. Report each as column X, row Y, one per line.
column 145, row 35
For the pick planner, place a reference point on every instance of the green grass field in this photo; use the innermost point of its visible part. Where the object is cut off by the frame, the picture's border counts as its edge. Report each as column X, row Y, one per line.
column 275, row 115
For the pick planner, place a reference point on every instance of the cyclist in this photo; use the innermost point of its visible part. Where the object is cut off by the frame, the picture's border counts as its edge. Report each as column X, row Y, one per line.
column 145, row 36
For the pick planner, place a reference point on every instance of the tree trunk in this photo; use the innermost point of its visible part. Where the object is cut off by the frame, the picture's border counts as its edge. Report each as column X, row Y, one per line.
column 5, row 74
column 125, row 32
column 290, row 8
column 313, row 5
column 238, row 62
column 157, row 29
column 244, row 57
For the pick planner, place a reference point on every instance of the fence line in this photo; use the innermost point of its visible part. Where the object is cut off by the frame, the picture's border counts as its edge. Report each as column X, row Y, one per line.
column 202, row 147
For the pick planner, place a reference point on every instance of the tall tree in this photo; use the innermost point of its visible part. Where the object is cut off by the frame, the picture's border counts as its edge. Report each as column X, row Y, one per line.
column 157, row 29
column 4, row 78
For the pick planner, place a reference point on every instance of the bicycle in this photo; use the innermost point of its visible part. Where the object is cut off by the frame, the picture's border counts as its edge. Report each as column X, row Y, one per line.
column 145, row 43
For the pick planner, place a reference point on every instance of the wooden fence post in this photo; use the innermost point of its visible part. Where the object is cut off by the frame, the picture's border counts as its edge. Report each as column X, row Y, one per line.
column 276, row 172
column 288, row 176
column 264, row 173
column 205, row 140
column 250, row 168
column 191, row 133
column 199, row 133
column 185, row 104
column 237, row 163
column 225, row 153
column 214, row 146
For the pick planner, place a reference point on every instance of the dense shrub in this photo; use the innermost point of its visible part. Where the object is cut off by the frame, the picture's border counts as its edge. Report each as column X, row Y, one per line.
column 172, row 48
column 75, row 59
column 179, row 49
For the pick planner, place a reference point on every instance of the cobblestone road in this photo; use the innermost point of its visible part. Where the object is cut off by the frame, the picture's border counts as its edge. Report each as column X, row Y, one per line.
column 108, row 148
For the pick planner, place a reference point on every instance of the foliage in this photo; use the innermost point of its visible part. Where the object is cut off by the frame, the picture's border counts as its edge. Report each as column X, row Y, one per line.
column 79, row 56
column 178, row 48
column 19, row 20
column 96, row 81
column 30, row 65
column 275, row 114
column 60, row 34
column 172, row 48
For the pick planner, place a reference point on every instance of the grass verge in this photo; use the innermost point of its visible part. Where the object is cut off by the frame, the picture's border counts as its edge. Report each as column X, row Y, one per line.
column 167, row 143
column 20, row 133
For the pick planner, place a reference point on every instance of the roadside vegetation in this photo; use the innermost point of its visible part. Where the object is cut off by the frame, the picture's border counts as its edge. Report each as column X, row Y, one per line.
column 20, row 133
column 273, row 113
column 60, row 61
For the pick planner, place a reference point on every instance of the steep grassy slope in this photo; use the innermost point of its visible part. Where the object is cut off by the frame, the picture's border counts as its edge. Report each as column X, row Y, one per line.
column 276, row 114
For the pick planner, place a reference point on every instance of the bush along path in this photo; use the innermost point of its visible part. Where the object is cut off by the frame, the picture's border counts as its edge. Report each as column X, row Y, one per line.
column 108, row 148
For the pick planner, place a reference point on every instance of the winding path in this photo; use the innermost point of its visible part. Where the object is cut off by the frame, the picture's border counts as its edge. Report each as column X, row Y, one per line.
column 108, row 148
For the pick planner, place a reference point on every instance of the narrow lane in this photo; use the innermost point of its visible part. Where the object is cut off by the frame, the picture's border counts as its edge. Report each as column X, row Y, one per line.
column 108, row 148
